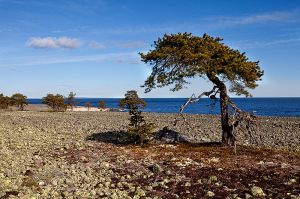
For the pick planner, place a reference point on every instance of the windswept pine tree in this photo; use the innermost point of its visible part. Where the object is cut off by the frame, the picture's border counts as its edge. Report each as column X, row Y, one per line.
column 179, row 57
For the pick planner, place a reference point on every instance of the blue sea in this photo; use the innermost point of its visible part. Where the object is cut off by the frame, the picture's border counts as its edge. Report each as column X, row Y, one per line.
column 260, row 106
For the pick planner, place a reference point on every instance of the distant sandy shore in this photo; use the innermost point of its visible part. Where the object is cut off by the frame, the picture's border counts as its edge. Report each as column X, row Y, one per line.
column 82, row 108
column 43, row 107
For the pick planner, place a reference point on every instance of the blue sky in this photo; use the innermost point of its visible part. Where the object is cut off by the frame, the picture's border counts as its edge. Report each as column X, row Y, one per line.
column 91, row 46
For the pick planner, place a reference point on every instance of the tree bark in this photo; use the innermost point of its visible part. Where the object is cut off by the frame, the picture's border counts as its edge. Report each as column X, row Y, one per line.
column 227, row 136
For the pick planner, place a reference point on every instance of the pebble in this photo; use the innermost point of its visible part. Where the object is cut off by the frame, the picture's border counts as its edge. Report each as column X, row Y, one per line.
column 156, row 168
column 36, row 146
column 41, row 183
column 257, row 191
column 213, row 179
column 210, row 194
column 187, row 184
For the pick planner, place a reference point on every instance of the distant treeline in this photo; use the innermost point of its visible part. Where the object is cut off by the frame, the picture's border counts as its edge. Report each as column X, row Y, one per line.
column 56, row 102
column 18, row 100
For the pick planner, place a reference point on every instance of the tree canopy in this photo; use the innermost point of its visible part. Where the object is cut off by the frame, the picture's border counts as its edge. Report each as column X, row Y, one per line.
column 19, row 100
column 88, row 105
column 55, row 102
column 101, row 104
column 132, row 101
column 177, row 57
column 71, row 101
column 5, row 101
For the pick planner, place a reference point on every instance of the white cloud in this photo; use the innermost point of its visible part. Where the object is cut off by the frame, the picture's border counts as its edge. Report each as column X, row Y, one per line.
column 130, row 44
column 98, row 45
column 262, row 18
column 6, row 29
column 209, row 23
column 117, row 44
column 120, row 58
column 53, row 42
column 264, row 44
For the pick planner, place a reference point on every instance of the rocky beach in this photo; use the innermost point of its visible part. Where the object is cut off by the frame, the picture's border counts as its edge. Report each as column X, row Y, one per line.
column 75, row 155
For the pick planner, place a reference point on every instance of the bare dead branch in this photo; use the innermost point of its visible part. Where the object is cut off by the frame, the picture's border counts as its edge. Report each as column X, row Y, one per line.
column 194, row 99
column 243, row 121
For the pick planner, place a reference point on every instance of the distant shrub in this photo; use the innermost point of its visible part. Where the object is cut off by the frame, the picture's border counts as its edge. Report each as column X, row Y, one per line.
column 55, row 102
column 88, row 105
column 71, row 101
column 19, row 100
column 139, row 130
column 101, row 104
column 5, row 102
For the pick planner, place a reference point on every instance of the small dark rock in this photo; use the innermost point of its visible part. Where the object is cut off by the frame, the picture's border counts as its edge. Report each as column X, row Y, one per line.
column 156, row 168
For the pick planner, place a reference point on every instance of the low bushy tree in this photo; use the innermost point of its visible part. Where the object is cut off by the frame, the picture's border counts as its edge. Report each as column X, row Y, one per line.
column 19, row 100
column 71, row 101
column 101, row 104
column 55, row 102
column 88, row 105
column 5, row 102
column 138, row 128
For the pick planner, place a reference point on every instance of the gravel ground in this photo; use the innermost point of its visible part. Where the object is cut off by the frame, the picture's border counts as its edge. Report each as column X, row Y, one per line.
column 49, row 155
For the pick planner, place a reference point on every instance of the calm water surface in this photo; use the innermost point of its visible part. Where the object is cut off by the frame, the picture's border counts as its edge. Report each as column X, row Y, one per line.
column 261, row 106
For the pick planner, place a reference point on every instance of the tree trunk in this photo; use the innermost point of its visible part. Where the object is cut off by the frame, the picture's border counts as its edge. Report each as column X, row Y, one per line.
column 227, row 136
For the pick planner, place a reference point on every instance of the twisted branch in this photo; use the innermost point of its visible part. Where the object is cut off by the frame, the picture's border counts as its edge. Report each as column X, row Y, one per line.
column 194, row 99
column 240, row 119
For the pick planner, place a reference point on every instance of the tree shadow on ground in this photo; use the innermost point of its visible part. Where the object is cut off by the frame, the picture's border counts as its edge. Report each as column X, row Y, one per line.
column 114, row 137
column 163, row 136
column 170, row 136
